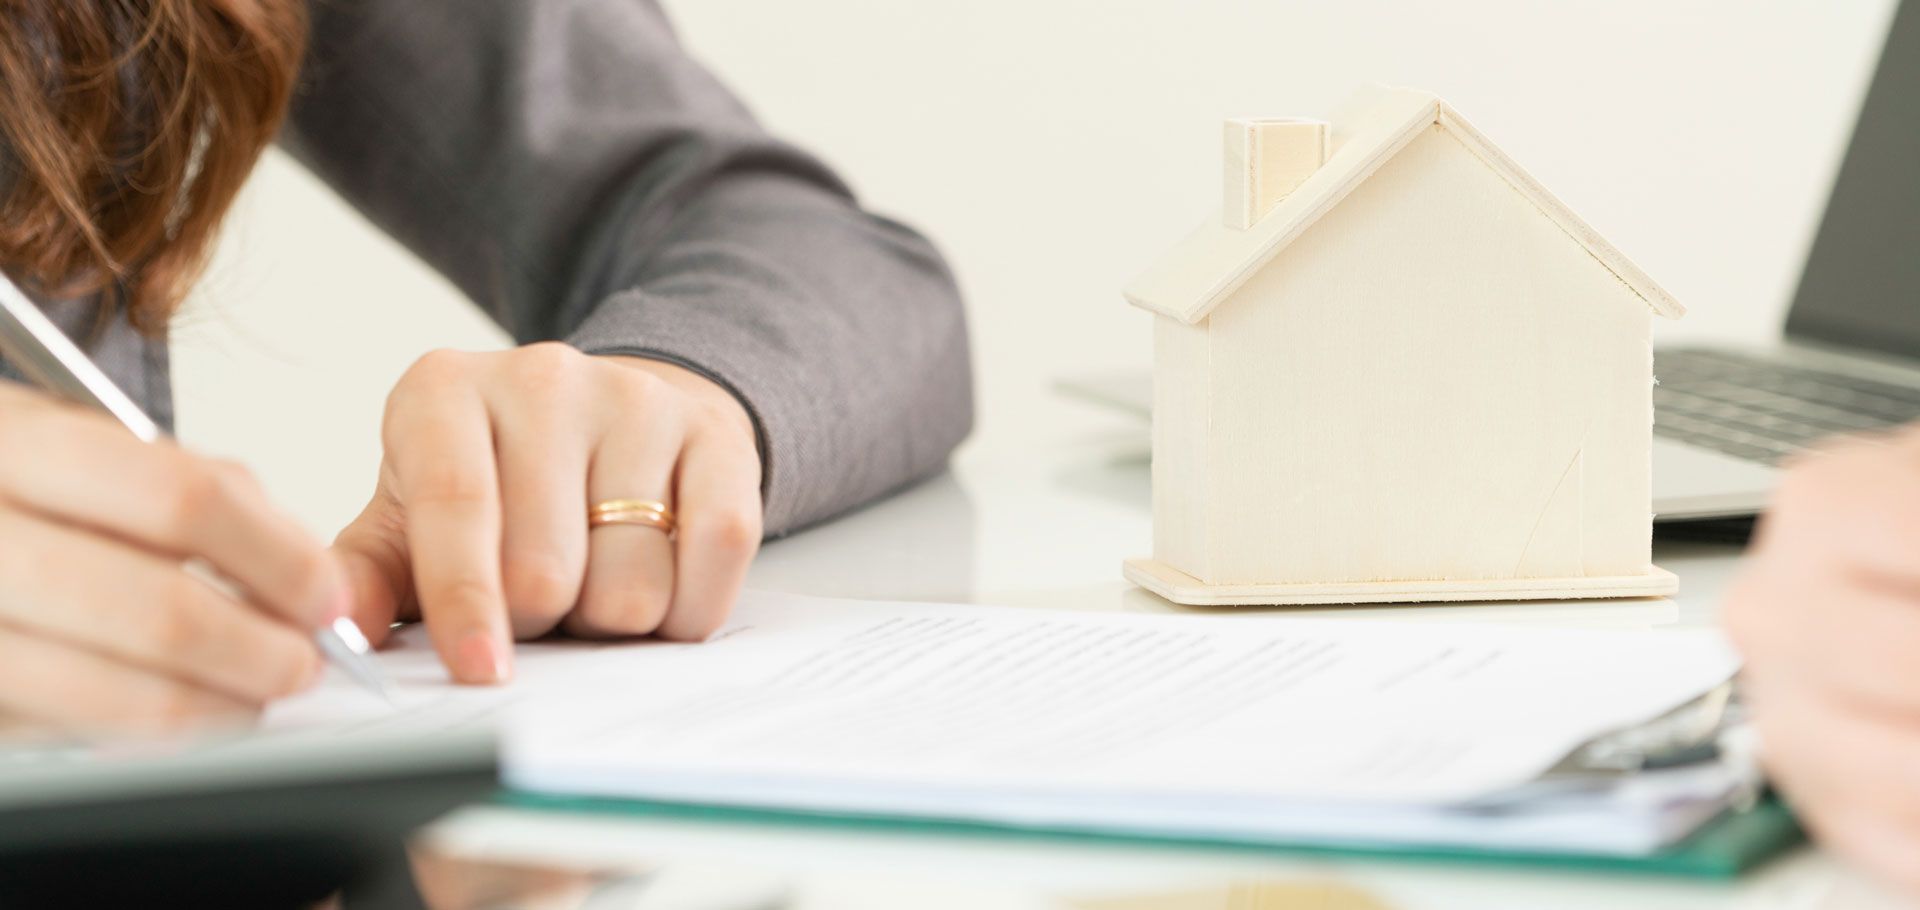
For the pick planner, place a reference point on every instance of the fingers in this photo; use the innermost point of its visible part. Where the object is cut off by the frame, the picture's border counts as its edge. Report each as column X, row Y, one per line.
column 495, row 460
column 1833, row 508
column 1828, row 597
column 372, row 552
column 100, row 694
column 630, row 580
column 1858, row 643
column 1827, row 614
column 120, row 603
column 1848, row 773
column 719, row 495
column 1884, row 847
column 440, row 445
column 84, row 470
column 543, row 453
column 1836, row 754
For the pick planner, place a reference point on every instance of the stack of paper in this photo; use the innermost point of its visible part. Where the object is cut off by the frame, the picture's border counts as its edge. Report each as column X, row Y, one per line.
column 1236, row 727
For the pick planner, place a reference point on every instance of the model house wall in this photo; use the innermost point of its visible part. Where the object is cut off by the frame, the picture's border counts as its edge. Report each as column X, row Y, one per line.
column 1434, row 380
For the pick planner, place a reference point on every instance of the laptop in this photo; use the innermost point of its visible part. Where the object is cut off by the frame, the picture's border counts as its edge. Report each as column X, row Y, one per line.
column 1724, row 418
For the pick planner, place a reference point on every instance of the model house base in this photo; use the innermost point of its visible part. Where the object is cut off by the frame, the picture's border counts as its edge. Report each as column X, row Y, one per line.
column 1181, row 588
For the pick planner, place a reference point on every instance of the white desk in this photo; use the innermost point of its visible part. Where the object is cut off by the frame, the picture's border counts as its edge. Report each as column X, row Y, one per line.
column 1048, row 527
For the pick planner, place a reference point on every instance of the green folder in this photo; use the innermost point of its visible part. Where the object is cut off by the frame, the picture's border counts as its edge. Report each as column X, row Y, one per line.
column 1724, row 848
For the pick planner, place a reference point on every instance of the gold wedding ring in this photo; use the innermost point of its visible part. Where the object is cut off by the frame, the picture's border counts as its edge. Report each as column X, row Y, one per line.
column 647, row 513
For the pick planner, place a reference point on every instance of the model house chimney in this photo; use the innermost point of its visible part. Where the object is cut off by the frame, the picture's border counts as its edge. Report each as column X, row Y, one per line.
column 1267, row 158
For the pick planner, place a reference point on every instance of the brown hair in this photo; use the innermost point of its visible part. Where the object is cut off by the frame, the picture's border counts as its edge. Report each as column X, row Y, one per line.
column 126, row 129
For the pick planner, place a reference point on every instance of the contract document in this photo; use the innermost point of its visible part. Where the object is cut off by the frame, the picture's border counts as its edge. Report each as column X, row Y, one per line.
column 1243, row 727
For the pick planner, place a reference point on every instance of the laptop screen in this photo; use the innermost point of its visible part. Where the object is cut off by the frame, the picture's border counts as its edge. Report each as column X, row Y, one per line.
column 1861, row 286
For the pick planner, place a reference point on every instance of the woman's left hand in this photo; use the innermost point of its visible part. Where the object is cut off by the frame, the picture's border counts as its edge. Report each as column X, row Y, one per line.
column 479, row 524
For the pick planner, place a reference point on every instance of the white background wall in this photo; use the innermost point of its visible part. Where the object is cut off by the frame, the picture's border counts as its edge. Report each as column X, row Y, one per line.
column 1052, row 147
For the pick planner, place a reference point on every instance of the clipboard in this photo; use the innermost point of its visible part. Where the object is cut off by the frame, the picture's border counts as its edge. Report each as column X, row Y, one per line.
column 1705, row 729
column 1737, row 841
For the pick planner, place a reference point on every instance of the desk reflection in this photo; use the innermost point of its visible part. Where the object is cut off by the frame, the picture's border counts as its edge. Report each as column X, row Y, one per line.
column 916, row 545
column 446, row 881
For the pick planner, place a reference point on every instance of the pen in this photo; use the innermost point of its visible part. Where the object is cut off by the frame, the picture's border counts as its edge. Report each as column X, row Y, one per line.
column 47, row 357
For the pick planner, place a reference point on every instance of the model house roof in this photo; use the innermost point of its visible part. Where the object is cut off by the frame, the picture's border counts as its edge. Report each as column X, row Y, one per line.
column 1212, row 262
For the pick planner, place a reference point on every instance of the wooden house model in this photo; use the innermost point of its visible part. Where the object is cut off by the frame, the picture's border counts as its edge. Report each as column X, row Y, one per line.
column 1396, row 369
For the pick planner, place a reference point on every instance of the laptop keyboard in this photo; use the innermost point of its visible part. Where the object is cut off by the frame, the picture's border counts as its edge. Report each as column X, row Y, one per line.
column 1763, row 410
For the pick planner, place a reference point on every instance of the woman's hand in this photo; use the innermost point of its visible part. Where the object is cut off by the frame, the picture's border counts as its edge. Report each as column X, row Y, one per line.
column 479, row 524
column 1828, row 615
column 102, row 626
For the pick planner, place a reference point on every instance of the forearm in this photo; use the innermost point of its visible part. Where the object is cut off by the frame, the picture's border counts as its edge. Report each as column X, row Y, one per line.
column 572, row 170
column 842, row 333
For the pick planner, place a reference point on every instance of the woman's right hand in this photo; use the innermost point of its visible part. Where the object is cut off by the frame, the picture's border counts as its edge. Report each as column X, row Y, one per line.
column 103, row 627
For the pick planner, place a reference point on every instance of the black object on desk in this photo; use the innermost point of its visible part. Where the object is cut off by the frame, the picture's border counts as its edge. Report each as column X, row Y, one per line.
column 279, row 820
column 1735, row 530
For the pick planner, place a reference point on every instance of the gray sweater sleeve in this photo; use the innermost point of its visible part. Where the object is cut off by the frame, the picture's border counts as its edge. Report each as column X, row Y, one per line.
column 570, row 168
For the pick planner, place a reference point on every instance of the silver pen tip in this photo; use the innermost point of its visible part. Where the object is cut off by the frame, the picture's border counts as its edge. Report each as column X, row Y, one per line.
column 351, row 636
column 348, row 649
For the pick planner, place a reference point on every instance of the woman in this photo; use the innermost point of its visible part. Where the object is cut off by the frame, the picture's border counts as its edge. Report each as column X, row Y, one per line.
column 709, row 323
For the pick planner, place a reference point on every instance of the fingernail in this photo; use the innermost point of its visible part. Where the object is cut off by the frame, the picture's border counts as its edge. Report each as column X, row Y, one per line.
column 336, row 596
column 481, row 658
